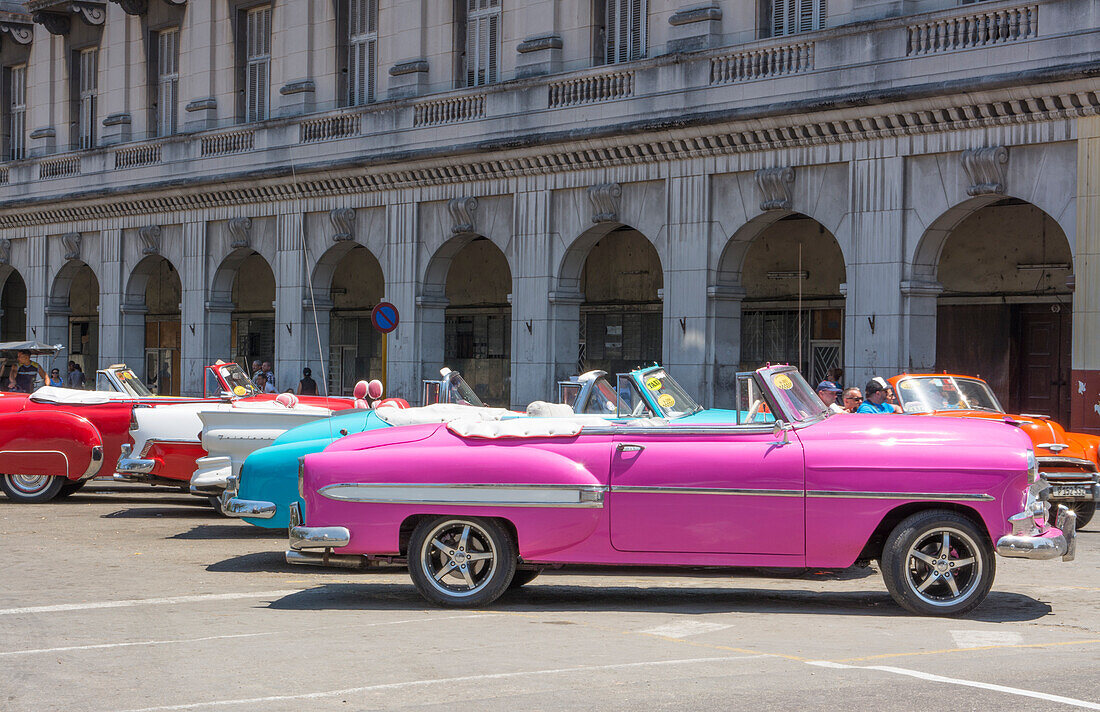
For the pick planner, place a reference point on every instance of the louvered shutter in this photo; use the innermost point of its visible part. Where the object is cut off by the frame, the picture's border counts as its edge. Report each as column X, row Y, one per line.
column 258, row 57
column 626, row 30
column 87, row 71
column 611, row 32
column 482, row 41
column 793, row 16
column 362, row 50
column 167, row 81
column 18, row 113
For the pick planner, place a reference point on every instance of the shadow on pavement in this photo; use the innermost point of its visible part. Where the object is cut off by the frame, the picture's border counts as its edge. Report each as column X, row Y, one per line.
column 231, row 529
column 178, row 512
column 998, row 607
column 274, row 561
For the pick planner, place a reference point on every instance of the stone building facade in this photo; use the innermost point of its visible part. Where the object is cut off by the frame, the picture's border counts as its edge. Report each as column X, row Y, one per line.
column 544, row 186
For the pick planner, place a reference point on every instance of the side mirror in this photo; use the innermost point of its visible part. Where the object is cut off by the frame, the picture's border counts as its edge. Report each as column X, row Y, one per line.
column 779, row 430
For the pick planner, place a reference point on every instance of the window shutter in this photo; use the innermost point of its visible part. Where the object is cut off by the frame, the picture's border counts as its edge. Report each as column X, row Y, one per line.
column 494, row 40
column 637, row 29
column 258, row 58
column 611, row 32
column 482, row 41
column 18, row 113
column 822, row 14
column 167, row 81
column 362, row 50
column 626, row 30
column 86, row 78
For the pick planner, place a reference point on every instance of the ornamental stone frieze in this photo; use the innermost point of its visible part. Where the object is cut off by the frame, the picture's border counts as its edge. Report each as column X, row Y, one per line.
column 343, row 223
column 775, row 187
column 605, row 199
column 72, row 241
column 462, row 214
column 150, row 239
column 986, row 169
column 240, row 229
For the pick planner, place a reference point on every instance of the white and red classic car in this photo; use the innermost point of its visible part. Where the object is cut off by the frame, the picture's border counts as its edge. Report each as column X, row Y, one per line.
column 475, row 507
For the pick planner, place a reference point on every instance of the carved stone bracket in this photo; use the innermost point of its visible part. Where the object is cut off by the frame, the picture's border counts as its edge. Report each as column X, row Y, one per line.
column 342, row 220
column 462, row 214
column 133, row 7
column 150, row 239
column 775, row 187
column 54, row 22
column 240, row 229
column 605, row 199
column 5, row 251
column 72, row 241
column 986, row 169
column 21, row 32
column 92, row 13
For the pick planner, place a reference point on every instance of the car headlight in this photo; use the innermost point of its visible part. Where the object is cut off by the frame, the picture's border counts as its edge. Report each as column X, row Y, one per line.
column 1032, row 467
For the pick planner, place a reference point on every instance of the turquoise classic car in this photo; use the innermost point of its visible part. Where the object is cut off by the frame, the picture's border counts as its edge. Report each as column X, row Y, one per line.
column 268, row 480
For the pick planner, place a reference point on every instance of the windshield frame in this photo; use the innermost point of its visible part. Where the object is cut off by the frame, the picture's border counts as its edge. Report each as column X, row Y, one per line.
column 766, row 379
column 127, row 384
column 954, row 380
column 223, row 371
column 640, row 378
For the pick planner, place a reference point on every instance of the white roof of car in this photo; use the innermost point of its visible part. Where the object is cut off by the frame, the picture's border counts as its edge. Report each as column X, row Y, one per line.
column 71, row 396
column 439, row 413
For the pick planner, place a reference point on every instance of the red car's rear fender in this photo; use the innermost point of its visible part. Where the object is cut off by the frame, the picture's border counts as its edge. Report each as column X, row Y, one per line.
column 47, row 443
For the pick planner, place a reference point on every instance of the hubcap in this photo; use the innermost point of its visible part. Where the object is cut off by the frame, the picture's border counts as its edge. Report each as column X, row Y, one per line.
column 944, row 567
column 459, row 558
column 28, row 484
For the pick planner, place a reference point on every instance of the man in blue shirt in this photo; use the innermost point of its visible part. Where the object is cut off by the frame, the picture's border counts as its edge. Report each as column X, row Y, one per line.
column 874, row 399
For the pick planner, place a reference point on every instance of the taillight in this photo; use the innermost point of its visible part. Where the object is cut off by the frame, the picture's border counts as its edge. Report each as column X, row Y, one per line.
column 133, row 419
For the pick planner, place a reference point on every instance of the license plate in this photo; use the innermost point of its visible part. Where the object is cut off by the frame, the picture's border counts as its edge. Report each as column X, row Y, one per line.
column 1070, row 491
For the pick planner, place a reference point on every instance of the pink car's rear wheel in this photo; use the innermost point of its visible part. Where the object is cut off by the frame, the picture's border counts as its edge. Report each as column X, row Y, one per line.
column 458, row 561
column 31, row 488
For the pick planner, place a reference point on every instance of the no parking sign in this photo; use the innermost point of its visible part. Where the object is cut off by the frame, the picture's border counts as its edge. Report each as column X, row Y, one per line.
column 385, row 317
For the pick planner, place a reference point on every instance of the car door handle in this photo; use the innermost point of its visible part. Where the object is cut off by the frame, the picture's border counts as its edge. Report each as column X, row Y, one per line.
column 628, row 447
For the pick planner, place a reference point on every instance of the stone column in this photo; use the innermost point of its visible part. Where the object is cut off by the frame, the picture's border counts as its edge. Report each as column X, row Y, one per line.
column 317, row 315
column 723, row 344
column 38, row 291
column 110, row 301
column 200, row 45
column 292, row 60
column 533, row 363
column 131, row 337
column 873, row 309
column 291, row 332
column 919, row 301
column 57, row 315
column 685, row 286
column 193, row 308
column 403, row 358
column 403, row 58
column 119, row 67
column 540, row 52
column 47, row 101
column 1085, row 357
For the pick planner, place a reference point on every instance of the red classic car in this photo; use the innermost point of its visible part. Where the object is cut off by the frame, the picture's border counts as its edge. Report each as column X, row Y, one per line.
column 1067, row 460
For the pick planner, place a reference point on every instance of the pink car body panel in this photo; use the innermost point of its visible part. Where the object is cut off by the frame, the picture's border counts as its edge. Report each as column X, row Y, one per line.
column 813, row 501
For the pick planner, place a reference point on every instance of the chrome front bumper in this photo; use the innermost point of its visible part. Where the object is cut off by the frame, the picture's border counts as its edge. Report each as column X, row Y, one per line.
column 1032, row 539
column 133, row 465
column 325, row 538
column 234, row 506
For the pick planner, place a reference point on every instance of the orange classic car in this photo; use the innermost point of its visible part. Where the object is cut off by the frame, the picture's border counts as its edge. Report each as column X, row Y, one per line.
column 1067, row 460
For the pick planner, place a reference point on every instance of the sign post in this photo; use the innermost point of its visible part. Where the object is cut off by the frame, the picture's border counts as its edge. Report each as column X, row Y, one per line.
column 385, row 319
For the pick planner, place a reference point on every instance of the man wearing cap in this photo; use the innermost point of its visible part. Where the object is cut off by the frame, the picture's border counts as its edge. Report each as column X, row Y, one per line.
column 874, row 398
column 827, row 392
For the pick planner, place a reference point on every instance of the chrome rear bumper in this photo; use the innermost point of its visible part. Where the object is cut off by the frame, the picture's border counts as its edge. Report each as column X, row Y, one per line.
column 133, row 465
column 1031, row 539
column 326, row 538
column 95, row 463
column 212, row 475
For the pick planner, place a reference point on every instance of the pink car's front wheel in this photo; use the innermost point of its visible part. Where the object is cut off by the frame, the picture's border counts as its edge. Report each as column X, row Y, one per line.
column 458, row 561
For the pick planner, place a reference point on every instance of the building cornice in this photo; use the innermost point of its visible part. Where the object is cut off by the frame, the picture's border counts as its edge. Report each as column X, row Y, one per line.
column 936, row 107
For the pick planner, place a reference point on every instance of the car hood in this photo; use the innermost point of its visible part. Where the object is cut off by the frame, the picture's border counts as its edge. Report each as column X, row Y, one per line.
column 1048, row 437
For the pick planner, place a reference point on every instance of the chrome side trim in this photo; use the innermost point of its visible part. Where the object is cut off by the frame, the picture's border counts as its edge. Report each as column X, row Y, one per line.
column 928, row 496
column 709, row 490
column 319, row 537
column 675, row 430
column 470, row 495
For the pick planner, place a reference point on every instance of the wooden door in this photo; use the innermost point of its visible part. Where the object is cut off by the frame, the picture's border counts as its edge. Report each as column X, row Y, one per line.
column 1043, row 372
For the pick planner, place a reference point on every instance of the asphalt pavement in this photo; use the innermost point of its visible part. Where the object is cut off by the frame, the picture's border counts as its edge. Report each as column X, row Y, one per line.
column 125, row 598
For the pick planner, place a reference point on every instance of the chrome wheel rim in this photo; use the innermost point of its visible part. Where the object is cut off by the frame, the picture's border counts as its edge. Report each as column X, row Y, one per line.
column 458, row 558
column 944, row 566
column 28, row 484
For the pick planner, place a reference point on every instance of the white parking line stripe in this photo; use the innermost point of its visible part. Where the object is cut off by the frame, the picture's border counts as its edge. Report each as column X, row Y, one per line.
column 124, row 645
column 683, row 629
column 198, row 598
column 434, row 682
column 965, row 683
column 985, row 638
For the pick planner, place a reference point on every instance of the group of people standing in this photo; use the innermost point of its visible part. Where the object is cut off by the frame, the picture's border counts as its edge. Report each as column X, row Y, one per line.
column 24, row 372
column 877, row 397
column 264, row 377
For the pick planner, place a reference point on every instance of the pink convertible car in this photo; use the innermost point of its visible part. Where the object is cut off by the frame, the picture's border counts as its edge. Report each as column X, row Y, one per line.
column 478, row 506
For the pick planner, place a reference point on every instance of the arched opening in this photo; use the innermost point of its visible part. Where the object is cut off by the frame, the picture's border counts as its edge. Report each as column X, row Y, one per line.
column 620, row 317
column 13, row 303
column 793, row 308
column 242, row 310
column 73, row 315
column 152, row 324
column 1006, row 270
column 355, row 346
column 477, row 333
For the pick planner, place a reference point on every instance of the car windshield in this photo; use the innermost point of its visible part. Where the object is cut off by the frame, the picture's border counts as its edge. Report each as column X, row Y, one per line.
column 927, row 394
column 125, row 379
column 662, row 388
column 794, row 395
column 459, row 391
column 611, row 402
column 238, row 381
